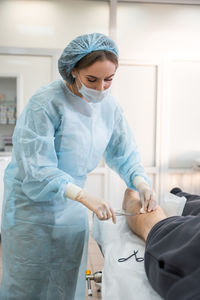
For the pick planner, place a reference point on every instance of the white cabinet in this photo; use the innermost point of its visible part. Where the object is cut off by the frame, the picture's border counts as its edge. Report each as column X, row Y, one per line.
column 4, row 160
column 8, row 110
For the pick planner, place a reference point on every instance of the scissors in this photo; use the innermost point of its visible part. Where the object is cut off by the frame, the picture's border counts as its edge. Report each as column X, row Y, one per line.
column 124, row 213
column 138, row 259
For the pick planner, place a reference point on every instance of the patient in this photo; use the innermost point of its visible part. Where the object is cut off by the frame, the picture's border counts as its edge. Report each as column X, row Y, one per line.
column 172, row 254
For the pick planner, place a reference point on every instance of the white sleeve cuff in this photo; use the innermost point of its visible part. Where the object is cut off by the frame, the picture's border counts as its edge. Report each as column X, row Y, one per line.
column 72, row 190
column 137, row 180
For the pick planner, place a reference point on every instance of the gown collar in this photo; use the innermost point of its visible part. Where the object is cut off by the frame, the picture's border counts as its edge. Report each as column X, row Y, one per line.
column 77, row 103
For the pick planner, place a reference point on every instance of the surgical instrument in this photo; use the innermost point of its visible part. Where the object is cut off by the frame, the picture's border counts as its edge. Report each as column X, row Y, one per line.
column 124, row 213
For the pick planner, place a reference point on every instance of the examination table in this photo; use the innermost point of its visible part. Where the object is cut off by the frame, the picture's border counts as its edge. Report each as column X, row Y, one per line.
column 127, row 279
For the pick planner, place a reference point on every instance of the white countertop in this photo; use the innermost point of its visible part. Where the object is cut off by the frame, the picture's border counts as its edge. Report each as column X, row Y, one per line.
column 4, row 153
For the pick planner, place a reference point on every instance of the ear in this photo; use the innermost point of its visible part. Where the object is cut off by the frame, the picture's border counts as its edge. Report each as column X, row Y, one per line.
column 73, row 73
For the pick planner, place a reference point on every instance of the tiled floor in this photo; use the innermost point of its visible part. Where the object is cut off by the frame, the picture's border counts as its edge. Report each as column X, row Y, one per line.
column 95, row 263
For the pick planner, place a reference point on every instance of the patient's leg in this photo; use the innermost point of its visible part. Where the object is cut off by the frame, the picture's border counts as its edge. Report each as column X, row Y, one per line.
column 141, row 224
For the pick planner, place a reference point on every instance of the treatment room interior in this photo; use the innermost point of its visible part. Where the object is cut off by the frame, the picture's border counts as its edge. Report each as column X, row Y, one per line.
column 157, row 84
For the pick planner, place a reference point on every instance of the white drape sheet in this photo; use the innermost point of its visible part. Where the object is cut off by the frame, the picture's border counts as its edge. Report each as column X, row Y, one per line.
column 127, row 280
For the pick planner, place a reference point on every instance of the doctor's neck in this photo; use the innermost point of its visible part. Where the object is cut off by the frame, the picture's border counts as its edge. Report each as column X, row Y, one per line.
column 73, row 89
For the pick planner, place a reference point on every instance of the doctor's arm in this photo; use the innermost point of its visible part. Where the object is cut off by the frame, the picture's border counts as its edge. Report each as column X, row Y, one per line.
column 101, row 208
column 42, row 180
column 123, row 157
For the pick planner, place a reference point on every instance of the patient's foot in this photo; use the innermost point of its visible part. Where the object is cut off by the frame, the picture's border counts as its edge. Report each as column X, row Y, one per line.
column 141, row 224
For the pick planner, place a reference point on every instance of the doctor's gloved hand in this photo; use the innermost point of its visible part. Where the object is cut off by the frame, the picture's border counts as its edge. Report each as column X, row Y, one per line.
column 101, row 208
column 147, row 198
column 147, row 195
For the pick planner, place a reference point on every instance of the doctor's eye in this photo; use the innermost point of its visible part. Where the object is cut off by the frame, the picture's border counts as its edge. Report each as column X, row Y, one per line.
column 110, row 79
column 91, row 80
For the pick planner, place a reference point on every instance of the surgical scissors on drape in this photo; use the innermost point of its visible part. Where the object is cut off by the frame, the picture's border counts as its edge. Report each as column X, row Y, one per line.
column 138, row 259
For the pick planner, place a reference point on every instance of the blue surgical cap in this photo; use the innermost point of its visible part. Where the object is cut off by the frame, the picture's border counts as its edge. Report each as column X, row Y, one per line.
column 80, row 47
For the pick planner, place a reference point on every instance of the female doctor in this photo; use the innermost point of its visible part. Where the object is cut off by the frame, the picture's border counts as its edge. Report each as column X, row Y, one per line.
column 63, row 132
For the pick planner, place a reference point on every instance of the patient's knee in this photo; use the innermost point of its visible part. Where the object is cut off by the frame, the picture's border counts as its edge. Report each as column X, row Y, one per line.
column 129, row 196
column 131, row 193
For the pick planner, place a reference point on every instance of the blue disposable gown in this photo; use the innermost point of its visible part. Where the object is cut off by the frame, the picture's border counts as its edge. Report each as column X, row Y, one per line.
column 59, row 138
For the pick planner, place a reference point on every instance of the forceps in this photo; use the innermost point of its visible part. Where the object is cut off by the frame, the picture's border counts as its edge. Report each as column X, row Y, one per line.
column 123, row 213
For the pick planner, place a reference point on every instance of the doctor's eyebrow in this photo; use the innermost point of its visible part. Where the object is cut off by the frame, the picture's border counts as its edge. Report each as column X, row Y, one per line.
column 94, row 77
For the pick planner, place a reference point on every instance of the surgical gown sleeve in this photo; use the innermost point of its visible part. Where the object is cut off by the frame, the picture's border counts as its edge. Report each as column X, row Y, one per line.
column 121, row 153
column 34, row 151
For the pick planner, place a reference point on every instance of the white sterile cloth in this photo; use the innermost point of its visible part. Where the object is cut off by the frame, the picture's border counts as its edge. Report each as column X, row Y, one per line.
column 127, row 280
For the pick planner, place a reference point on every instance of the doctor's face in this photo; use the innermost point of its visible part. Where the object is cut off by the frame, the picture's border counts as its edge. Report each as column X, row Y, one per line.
column 98, row 76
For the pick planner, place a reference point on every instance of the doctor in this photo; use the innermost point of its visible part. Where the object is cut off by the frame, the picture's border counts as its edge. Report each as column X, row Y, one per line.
column 63, row 132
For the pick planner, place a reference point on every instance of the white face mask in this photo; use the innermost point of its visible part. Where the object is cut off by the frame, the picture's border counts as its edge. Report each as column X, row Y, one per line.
column 91, row 95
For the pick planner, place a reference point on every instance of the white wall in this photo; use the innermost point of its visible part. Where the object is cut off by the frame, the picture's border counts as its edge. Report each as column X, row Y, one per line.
column 158, row 30
column 50, row 24
column 184, row 117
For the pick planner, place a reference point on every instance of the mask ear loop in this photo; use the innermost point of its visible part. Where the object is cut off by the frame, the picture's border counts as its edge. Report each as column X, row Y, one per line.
column 71, row 85
column 74, row 76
